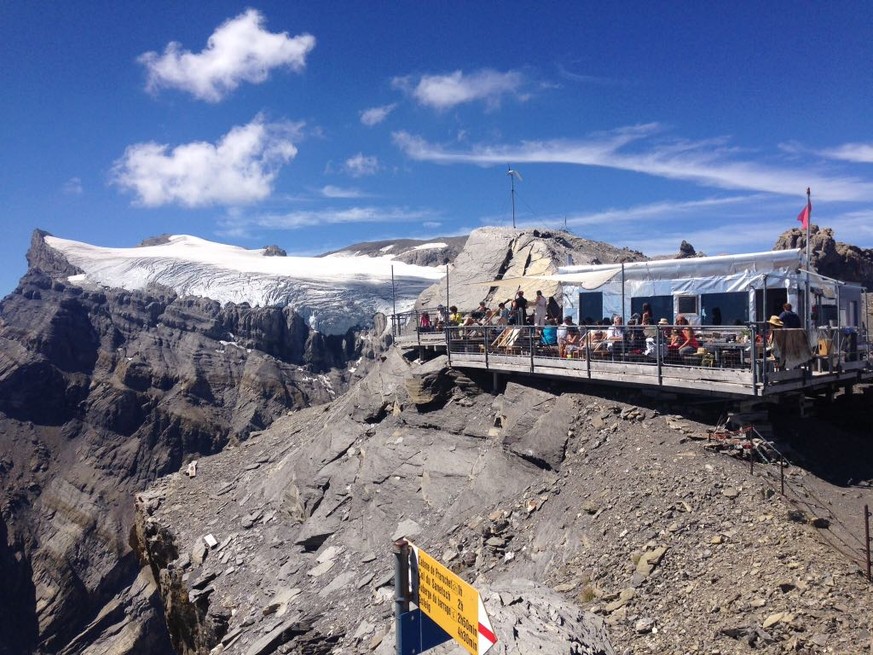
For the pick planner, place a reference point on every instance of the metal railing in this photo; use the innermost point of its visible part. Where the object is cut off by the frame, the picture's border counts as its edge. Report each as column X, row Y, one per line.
column 725, row 348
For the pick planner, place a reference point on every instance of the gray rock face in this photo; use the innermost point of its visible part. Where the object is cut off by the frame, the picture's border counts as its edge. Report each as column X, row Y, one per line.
column 411, row 251
column 493, row 253
column 102, row 391
column 614, row 534
column 831, row 257
column 534, row 424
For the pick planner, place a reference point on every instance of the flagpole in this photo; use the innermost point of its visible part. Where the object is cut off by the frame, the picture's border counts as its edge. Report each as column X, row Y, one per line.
column 808, row 261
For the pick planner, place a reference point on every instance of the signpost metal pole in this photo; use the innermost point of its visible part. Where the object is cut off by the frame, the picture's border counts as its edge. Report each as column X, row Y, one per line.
column 867, row 540
column 401, row 590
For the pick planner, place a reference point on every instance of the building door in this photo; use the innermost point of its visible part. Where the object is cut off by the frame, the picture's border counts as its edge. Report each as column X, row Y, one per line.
column 590, row 307
column 776, row 297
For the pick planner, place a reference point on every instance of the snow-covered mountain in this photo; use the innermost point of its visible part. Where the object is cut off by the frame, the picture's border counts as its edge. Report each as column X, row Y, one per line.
column 332, row 293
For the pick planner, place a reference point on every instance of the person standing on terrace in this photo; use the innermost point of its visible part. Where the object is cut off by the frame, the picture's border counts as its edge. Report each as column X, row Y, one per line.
column 540, row 306
column 521, row 307
column 646, row 318
column 503, row 314
column 788, row 317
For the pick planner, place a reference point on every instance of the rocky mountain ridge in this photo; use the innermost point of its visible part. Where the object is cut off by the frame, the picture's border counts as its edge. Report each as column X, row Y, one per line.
column 104, row 390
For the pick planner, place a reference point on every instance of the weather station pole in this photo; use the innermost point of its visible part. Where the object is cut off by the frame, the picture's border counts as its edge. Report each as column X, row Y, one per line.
column 512, row 175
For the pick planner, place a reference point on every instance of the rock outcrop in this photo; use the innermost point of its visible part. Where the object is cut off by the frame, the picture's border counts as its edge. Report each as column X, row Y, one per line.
column 495, row 259
column 436, row 252
column 831, row 257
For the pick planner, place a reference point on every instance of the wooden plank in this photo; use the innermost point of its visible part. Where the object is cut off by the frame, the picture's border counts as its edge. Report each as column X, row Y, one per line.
column 740, row 383
column 682, row 378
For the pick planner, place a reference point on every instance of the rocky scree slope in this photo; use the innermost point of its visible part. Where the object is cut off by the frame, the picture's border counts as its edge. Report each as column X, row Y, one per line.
column 102, row 391
column 591, row 524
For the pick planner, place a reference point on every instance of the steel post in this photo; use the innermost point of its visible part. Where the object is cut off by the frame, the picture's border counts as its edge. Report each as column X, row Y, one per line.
column 867, row 540
column 401, row 589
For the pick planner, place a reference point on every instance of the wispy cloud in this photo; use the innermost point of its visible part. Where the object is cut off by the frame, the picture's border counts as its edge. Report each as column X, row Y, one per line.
column 73, row 187
column 707, row 163
column 330, row 191
column 446, row 91
column 361, row 165
column 581, row 78
column 239, row 169
column 854, row 152
column 326, row 216
column 240, row 50
column 657, row 210
column 376, row 115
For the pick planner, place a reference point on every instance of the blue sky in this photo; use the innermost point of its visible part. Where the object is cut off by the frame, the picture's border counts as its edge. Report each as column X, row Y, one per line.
column 314, row 125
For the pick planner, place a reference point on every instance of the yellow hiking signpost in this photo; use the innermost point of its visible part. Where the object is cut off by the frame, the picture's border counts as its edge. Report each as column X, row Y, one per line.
column 453, row 604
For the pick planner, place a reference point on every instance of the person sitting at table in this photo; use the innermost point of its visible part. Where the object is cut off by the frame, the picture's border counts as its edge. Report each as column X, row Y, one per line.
column 550, row 333
column 572, row 343
column 635, row 336
column 688, row 343
column 673, row 338
column 773, row 323
column 479, row 312
column 595, row 341
column 490, row 318
column 424, row 324
column 615, row 335
column 455, row 317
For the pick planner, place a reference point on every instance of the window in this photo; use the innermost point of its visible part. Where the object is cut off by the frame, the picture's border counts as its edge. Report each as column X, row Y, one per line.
column 724, row 308
column 687, row 304
column 662, row 307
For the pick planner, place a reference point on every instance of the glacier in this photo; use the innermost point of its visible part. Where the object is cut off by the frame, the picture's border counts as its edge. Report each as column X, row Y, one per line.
column 333, row 294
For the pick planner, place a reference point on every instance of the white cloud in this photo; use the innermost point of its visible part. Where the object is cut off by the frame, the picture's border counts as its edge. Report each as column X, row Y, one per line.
column 240, row 50
column 73, row 187
column 854, row 152
column 330, row 191
column 360, row 165
column 446, row 91
column 239, row 169
column 327, row 216
column 376, row 115
column 707, row 163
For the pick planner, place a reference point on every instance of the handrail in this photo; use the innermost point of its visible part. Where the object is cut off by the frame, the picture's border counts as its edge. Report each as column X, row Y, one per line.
column 721, row 349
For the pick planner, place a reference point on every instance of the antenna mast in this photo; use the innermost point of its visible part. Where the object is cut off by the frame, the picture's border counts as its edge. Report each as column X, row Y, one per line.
column 512, row 175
